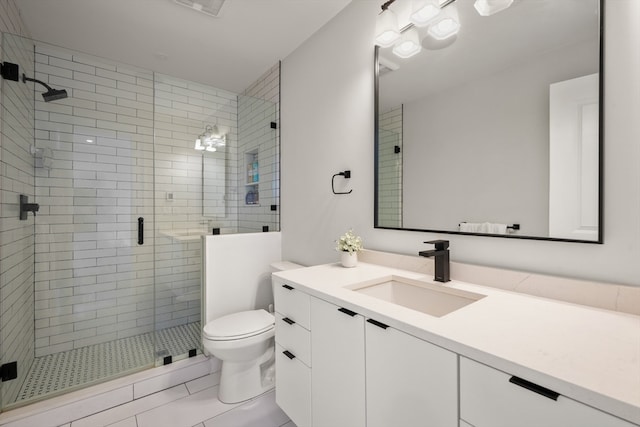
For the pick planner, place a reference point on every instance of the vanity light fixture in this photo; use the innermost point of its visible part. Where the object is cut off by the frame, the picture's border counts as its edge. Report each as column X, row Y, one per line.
column 408, row 45
column 387, row 31
column 441, row 18
column 490, row 7
column 424, row 11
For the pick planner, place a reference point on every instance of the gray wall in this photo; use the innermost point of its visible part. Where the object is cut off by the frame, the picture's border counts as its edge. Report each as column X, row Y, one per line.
column 327, row 114
column 486, row 144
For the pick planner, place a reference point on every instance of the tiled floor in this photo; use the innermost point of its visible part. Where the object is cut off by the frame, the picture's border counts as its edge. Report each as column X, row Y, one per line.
column 193, row 404
column 60, row 371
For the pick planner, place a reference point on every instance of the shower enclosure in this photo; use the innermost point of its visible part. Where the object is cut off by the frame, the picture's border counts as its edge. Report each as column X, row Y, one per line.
column 104, row 279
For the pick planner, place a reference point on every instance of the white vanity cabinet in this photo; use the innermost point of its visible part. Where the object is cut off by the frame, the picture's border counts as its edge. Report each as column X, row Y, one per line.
column 293, row 353
column 492, row 398
column 339, row 367
column 366, row 373
column 338, row 374
column 334, row 367
column 410, row 382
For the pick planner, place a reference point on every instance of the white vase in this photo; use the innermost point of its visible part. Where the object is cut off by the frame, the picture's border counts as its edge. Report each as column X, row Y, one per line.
column 349, row 259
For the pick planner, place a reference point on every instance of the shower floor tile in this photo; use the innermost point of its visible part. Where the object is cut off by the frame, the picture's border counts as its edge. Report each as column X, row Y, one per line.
column 86, row 365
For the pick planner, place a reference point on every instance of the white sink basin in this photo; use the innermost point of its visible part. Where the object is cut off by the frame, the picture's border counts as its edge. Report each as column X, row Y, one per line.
column 434, row 300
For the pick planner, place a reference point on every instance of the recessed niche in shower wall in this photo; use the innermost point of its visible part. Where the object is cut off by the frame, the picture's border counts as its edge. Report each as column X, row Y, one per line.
column 252, row 178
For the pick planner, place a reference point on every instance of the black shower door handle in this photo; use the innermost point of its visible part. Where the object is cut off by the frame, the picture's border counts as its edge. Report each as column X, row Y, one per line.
column 141, row 231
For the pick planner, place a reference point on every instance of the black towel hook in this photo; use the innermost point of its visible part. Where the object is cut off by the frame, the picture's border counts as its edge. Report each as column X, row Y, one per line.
column 346, row 175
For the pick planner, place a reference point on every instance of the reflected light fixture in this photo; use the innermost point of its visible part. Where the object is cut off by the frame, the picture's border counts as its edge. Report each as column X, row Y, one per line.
column 211, row 139
column 423, row 12
column 408, row 45
column 489, row 7
column 444, row 28
column 387, row 31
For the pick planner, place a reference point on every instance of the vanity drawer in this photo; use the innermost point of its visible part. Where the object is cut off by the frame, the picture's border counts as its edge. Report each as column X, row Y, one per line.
column 293, row 387
column 294, row 338
column 291, row 303
column 492, row 398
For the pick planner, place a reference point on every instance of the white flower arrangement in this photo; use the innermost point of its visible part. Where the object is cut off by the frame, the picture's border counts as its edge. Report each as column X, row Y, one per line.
column 349, row 242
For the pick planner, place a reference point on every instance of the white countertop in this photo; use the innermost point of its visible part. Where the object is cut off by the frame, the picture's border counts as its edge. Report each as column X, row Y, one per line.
column 587, row 354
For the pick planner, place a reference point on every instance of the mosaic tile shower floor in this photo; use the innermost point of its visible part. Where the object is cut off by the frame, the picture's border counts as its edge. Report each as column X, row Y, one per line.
column 86, row 365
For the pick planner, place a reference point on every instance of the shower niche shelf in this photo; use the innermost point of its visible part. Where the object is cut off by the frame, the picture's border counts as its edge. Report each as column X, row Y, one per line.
column 252, row 178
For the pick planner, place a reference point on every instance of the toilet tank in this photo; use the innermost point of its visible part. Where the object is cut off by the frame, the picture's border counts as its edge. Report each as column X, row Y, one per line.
column 284, row 266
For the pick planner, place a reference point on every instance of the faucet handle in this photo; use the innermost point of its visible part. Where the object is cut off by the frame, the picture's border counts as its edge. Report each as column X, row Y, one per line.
column 441, row 245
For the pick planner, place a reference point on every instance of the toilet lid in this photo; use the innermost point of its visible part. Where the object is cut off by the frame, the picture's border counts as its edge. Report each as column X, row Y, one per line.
column 239, row 325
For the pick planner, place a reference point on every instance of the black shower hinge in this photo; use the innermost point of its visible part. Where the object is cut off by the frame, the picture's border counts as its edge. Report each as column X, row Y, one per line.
column 274, row 125
column 9, row 371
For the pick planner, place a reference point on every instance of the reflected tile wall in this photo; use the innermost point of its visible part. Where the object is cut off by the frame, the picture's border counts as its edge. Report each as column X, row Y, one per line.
column 390, row 168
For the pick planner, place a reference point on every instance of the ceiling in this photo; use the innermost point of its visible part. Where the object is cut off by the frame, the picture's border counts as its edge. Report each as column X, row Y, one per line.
column 228, row 52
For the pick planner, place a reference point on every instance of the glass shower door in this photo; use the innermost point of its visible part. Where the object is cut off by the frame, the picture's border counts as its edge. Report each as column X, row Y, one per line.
column 183, row 111
column 17, row 237
column 81, row 310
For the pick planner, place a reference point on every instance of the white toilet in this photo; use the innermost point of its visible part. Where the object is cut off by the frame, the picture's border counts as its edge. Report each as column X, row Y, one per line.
column 244, row 342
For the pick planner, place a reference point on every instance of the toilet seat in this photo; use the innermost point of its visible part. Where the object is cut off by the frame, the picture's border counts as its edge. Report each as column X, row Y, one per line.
column 240, row 325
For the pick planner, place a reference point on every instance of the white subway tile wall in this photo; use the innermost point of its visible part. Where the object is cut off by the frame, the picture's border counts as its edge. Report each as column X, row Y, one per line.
column 390, row 168
column 16, row 236
column 10, row 19
column 93, row 282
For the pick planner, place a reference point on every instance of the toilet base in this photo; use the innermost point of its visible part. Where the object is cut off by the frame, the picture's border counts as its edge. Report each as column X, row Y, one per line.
column 240, row 381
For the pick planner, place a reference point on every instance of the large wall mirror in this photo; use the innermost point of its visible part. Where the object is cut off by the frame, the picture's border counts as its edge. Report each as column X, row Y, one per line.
column 496, row 130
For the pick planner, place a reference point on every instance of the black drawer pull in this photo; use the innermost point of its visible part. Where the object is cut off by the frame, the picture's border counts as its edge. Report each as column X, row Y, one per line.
column 378, row 324
column 289, row 354
column 347, row 312
column 287, row 320
column 534, row 388
column 288, row 287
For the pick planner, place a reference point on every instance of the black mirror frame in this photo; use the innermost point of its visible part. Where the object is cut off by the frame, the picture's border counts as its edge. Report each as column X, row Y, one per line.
column 600, row 239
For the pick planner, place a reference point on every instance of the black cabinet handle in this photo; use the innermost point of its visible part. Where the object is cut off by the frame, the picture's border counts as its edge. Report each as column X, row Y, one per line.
column 347, row 311
column 534, row 388
column 287, row 320
column 378, row 324
column 288, row 287
column 289, row 354
column 141, row 231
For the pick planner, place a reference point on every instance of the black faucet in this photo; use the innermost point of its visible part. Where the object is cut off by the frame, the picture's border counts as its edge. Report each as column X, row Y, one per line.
column 441, row 255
